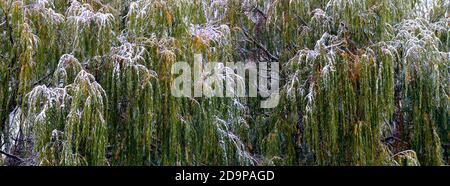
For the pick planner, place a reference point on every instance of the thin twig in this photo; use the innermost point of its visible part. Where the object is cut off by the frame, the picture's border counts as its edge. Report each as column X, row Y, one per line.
column 262, row 47
column 42, row 79
column 11, row 156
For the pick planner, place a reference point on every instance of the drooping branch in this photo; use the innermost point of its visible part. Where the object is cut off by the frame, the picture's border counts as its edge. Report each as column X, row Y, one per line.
column 11, row 156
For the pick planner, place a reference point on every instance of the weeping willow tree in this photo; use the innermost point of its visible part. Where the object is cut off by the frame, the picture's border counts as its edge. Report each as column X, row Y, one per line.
column 344, row 102
column 65, row 124
column 425, row 96
column 363, row 82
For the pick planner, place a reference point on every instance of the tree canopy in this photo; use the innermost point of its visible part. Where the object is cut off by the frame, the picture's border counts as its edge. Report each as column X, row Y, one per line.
column 88, row 82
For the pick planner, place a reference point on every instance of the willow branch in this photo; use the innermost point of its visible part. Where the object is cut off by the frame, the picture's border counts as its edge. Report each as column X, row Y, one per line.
column 259, row 45
column 11, row 156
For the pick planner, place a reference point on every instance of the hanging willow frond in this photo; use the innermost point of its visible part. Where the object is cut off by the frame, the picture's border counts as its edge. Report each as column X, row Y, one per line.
column 85, row 23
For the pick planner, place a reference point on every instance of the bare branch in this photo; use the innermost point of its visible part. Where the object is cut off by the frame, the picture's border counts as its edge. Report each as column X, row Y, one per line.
column 11, row 156
column 259, row 45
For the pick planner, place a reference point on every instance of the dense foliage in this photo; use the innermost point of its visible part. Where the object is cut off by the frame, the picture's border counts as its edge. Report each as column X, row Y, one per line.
column 87, row 82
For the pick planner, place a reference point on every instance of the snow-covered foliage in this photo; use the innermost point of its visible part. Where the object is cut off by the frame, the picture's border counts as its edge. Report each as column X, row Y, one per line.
column 364, row 82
